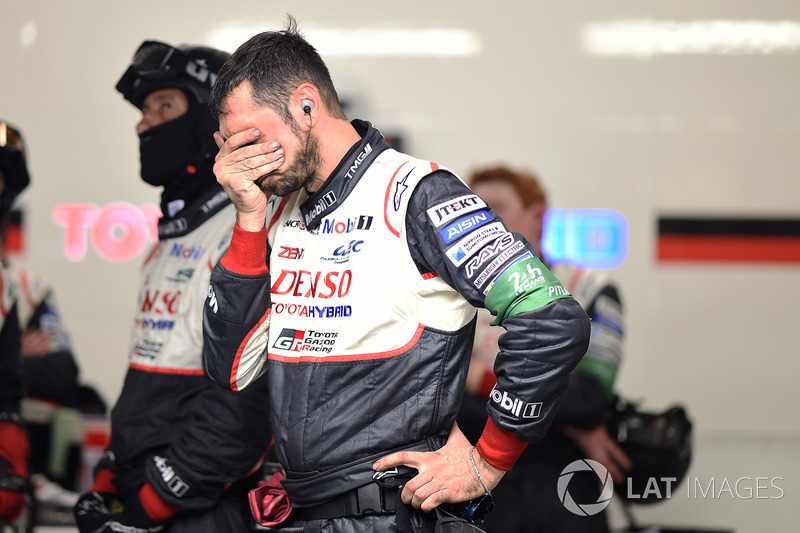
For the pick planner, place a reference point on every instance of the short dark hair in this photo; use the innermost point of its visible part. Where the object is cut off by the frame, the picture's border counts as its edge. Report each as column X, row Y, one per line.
column 275, row 63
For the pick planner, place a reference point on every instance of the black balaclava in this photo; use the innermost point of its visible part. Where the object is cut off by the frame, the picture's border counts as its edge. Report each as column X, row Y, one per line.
column 179, row 156
column 15, row 177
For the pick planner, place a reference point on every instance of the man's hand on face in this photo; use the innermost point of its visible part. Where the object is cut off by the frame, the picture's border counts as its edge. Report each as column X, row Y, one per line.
column 241, row 165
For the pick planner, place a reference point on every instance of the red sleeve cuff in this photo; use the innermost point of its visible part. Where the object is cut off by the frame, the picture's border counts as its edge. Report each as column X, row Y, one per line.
column 488, row 382
column 154, row 506
column 103, row 482
column 247, row 253
column 499, row 448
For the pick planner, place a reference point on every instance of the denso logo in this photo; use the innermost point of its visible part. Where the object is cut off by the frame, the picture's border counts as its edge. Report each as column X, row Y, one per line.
column 458, row 228
column 289, row 252
column 363, row 222
column 359, row 159
column 160, row 302
column 185, row 252
column 452, row 209
column 515, row 406
column 313, row 285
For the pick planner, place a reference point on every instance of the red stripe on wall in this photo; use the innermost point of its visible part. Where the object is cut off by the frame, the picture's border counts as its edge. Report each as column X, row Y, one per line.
column 747, row 248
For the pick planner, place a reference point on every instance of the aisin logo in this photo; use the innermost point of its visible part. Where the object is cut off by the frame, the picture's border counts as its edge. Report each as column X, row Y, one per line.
column 586, row 509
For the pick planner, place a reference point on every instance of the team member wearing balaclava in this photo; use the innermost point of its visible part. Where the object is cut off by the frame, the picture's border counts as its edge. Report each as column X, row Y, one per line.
column 14, row 442
column 181, row 449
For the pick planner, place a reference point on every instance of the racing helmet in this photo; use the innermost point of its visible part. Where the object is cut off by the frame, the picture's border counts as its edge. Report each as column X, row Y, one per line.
column 158, row 65
column 13, row 166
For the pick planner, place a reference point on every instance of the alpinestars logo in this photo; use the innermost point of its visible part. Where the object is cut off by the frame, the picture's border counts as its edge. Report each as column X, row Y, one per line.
column 400, row 188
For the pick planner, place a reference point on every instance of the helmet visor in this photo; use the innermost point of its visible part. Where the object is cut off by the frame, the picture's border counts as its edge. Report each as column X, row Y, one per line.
column 154, row 62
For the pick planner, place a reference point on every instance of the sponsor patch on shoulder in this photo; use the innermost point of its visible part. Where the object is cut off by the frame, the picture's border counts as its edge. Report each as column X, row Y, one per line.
column 464, row 225
column 466, row 247
column 452, row 209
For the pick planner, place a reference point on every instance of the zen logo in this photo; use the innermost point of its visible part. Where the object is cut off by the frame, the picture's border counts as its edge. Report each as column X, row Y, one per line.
column 464, row 225
column 290, row 252
column 585, row 238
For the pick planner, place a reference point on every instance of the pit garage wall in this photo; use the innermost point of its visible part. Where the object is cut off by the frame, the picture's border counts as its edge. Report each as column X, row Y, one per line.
column 665, row 135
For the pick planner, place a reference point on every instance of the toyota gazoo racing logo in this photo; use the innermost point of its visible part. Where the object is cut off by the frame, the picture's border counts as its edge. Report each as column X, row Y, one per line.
column 295, row 340
column 585, row 509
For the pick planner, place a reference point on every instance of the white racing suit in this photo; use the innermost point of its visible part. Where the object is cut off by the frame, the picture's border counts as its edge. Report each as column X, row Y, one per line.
column 172, row 428
column 364, row 317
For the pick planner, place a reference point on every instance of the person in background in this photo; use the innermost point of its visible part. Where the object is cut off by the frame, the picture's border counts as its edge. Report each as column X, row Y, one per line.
column 183, row 452
column 14, row 441
column 527, row 500
column 353, row 275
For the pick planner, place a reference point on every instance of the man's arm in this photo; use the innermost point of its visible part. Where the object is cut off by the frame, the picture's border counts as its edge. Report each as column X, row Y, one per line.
column 546, row 334
column 224, row 440
column 236, row 314
column 591, row 387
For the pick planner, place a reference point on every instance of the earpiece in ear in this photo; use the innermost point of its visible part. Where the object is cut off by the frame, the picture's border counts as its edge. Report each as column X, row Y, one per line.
column 308, row 105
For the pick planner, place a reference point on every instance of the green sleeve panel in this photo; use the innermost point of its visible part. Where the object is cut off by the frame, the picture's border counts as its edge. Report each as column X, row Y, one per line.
column 526, row 285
